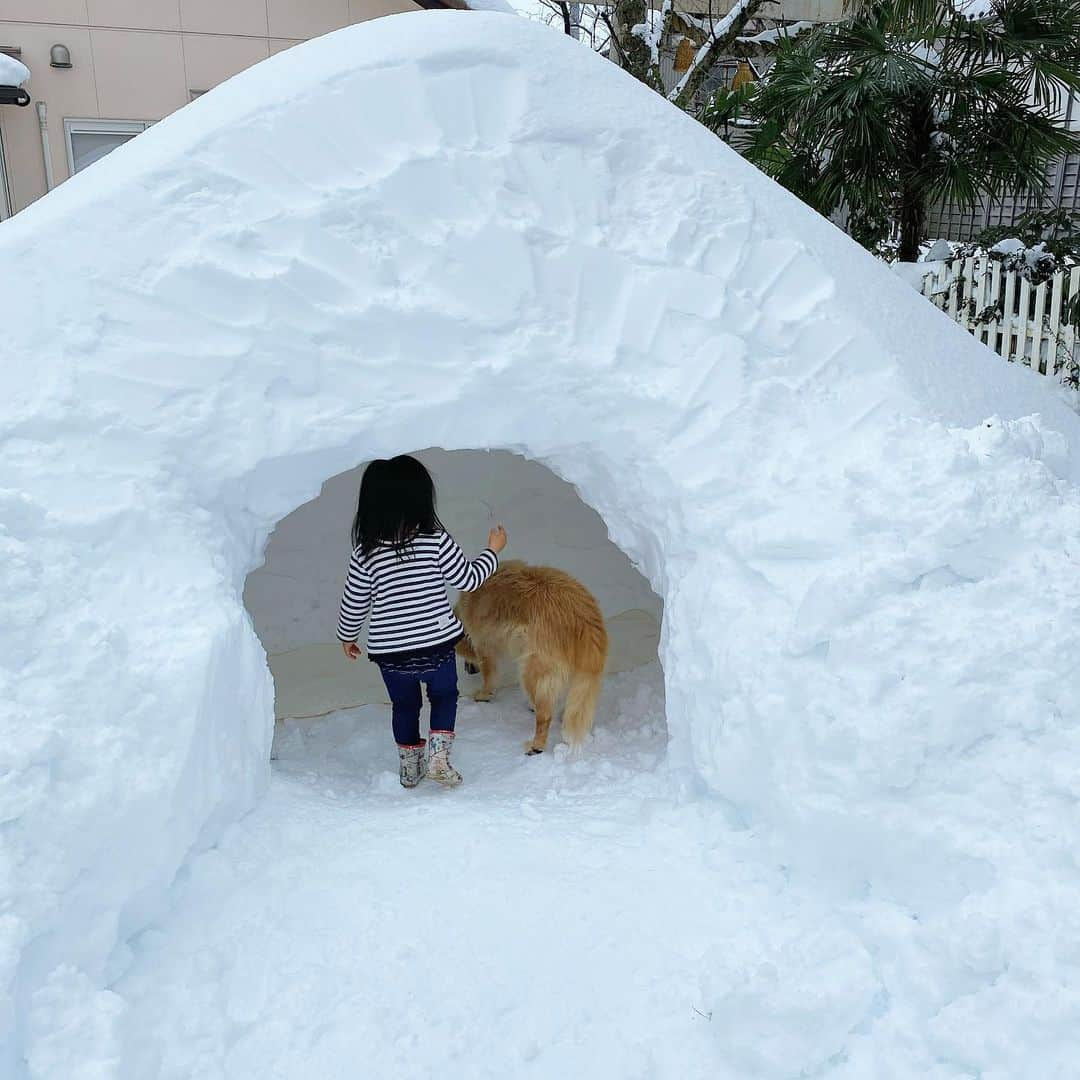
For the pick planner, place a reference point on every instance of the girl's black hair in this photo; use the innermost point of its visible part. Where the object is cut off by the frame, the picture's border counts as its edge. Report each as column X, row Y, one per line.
column 396, row 504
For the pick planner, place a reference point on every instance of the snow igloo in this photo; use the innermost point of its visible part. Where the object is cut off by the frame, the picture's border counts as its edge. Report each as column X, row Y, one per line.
column 463, row 231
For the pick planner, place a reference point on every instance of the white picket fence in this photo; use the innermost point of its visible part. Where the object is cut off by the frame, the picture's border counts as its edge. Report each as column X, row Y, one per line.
column 1006, row 313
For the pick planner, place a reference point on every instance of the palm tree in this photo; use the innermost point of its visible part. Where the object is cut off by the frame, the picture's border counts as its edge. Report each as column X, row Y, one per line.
column 907, row 102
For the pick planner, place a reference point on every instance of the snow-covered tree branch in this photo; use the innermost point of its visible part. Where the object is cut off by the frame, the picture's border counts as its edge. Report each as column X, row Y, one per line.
column 722, row 36
column 765, row 42
column 661, row 44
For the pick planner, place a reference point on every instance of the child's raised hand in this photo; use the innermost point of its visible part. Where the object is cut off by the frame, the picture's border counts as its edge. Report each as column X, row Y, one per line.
column 497, row 539
column 352, row 650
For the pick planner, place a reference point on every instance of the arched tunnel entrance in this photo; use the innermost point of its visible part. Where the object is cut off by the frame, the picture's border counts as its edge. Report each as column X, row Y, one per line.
column 293, row 597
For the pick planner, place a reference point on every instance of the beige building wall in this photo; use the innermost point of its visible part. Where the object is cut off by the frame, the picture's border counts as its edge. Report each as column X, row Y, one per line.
column 139, row 60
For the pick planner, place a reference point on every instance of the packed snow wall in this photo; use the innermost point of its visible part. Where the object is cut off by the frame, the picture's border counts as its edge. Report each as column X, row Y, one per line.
column 293, row 596
column 862, row 525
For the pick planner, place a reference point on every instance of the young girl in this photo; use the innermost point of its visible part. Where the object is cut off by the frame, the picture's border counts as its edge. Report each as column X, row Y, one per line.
column 402, row 561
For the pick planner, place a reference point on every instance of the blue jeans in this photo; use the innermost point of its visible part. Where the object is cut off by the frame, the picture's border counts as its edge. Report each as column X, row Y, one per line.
column 404, row 691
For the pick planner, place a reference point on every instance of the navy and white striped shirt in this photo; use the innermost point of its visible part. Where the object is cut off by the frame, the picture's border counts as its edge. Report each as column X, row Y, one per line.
column 406, row 595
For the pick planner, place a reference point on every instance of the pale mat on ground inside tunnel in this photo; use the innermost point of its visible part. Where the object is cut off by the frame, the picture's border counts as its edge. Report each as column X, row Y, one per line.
column 317, row 679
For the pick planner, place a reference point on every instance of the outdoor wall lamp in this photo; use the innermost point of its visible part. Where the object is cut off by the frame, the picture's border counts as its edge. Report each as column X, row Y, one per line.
column 60, row 56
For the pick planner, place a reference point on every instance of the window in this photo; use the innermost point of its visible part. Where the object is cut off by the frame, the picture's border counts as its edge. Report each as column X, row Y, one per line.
column 89, row 140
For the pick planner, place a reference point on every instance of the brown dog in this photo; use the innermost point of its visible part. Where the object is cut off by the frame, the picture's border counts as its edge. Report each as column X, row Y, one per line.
column 552, row 627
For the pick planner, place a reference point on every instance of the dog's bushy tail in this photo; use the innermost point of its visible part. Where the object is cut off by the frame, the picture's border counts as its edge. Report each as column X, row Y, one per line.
column 580, row 706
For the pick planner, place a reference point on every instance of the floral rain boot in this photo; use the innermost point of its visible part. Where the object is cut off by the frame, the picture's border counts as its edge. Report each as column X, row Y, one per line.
column 438, row 764
column 411, row 760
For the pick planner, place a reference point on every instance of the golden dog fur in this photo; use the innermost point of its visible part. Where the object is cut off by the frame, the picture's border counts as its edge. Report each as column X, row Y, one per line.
column 551, row 625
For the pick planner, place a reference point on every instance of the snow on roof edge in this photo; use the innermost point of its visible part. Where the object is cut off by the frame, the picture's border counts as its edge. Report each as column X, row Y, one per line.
column 500, row 6
column 12, row 72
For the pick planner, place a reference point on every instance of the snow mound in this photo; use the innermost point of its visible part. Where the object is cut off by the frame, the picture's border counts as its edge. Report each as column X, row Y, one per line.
column 863, row 526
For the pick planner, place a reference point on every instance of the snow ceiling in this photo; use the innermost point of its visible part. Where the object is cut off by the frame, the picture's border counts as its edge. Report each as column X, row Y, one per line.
column 463, row 230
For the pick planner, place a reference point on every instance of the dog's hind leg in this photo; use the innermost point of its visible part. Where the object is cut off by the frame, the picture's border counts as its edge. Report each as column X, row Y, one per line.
column 542, row 684
column 488, row 670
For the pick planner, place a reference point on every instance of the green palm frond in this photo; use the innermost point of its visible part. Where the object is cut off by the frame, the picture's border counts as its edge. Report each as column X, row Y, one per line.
column 906, row 101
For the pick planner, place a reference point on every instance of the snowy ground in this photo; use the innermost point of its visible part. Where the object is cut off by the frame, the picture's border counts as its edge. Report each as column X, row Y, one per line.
column 549, row 918
column 555, row 918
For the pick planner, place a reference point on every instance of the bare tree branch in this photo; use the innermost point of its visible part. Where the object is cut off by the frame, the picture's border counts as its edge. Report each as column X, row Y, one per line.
column 564, row 11
column 614, row 39
column 574, row 21
column 593, row 31
column 628, row 18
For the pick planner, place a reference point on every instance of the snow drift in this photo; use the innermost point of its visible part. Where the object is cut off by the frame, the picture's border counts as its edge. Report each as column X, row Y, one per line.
column 863, row 526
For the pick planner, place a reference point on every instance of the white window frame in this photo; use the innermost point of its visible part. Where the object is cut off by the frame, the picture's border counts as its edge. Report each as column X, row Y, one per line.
column 77, row 126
